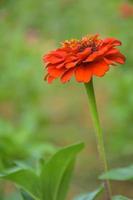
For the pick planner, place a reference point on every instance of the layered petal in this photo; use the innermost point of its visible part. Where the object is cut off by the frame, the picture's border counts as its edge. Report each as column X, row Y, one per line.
column 83, row 73
column 67, row 75
column 111, row 41
column 55, row 72
column 92, row 57
column 55, row 57
column 116, row 58
column 49, row 78
column 99, row 68
column 85, row 53
column 71, row 64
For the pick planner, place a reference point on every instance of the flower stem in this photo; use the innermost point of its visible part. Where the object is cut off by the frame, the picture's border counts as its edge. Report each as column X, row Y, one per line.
column 99, row 135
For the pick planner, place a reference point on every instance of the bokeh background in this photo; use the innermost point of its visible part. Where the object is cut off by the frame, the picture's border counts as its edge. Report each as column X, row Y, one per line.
column 36, row 118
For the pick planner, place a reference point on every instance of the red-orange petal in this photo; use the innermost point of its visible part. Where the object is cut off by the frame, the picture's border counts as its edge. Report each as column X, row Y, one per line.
column 71, row 64
column 67, row 75
column 71, row 58
column 53, row 59
column 112, row 41
column 84, row 54
column 99, row 68
column 60, row 53
column 92, row 57
column 83, row 74
column 118, row 58
column 109, row 62
column 50, row 79
column 112, row 51
column 53, row 71
column 60, row 65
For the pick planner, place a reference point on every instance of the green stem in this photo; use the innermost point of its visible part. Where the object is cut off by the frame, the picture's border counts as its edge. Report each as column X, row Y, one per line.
column 99, row 135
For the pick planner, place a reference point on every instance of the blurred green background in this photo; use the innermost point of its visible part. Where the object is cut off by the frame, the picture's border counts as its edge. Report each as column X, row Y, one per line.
column 37, row 118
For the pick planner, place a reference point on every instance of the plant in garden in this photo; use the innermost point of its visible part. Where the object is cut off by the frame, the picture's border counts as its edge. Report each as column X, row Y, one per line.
column 83, row 59
column 50, row 180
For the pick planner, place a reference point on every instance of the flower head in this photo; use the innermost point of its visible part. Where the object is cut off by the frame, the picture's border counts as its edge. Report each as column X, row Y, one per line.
column 126, row 10
column 82, row 58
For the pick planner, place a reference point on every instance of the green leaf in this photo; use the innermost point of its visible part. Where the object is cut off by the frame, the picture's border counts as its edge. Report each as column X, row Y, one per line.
column 56, row 173
column 91, row 195
column 119, row 197
column 120, row 174
column 24, row 178
column 26, row 196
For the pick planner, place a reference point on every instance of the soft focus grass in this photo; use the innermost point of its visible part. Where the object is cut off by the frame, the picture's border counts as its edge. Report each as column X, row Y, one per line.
column 33, row 113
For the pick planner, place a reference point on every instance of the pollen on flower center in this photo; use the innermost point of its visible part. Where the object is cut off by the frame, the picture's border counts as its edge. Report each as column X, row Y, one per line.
column 90, row 44
column 80, row 45
column 72, row 44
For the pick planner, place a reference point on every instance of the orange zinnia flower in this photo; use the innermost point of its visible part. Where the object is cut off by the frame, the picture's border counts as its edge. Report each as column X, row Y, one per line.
column 126, row 10
column 82, row 59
